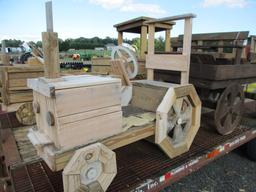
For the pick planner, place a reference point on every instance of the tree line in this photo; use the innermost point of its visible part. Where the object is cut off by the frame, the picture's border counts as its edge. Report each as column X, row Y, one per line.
column 87, row 43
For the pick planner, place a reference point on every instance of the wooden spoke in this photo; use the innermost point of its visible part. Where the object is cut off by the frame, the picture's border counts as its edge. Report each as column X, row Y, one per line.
column 119, row 53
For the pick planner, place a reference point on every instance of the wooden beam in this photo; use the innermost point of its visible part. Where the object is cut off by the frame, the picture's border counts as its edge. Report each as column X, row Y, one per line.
column 120, row 38
column 143, row 42
column 173, row 18
column 51, row 55
column 3, row 47
column 57, row 160
column 168, row 40
column 187, row 48
column 151, row 49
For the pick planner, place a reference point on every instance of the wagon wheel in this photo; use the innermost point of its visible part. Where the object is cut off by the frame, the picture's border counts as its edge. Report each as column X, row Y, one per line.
column 129, row 58
column 25, row 114
column 228, row 113
column 179, row 120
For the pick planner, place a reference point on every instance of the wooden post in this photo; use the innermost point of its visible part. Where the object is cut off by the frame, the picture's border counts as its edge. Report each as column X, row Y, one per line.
column 3, row 47
column 151, row 48
column 187, row 49
column 143, row 42
column 49, row 17
column 168, row 40
column 120, row 37
column 4, row 56
column 51, row 55
column 50, row 46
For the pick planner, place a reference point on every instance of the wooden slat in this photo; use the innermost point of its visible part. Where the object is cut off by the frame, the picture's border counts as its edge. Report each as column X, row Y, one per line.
column 57, row 160
column 167, row 62
column 172, row 18
column 118, row 68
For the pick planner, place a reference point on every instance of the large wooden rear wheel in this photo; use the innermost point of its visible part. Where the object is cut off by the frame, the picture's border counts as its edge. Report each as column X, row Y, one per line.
column 228, row 113
column 25, row 114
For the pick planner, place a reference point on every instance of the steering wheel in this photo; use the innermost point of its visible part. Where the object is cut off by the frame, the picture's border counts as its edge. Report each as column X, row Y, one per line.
column 129, row 58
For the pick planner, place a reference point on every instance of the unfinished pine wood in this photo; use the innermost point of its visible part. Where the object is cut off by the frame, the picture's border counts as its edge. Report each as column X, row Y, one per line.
column 167, row 62
column 187, row 39
column 58, row 159
column 170, row 62
column 143, row 42
column 51, row 54
column 92, row 168
column 148, row 95
column 14, row 82
column 120, row 38
column 179, row 113
column 83, row 109
column 151, row 50
column 168, row 40
column 5, row 59
column 118, row 68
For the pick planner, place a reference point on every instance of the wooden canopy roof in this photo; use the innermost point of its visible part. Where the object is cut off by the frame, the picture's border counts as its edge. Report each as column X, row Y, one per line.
column 134, row 25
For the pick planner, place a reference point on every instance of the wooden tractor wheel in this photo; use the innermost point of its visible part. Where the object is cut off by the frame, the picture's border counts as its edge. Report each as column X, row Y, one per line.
column 129, row 59
column 91, row 168
column 228, row 113
column 178, row 120
column 25, row 114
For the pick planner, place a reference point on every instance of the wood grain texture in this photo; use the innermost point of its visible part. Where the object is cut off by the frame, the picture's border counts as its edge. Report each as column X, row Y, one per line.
column 51, row 54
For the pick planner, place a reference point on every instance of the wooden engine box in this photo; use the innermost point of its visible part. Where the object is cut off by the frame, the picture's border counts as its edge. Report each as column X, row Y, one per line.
column 77, row 110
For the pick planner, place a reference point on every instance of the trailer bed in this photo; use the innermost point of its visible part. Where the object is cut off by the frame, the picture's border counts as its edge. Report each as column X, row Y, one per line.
column 142, row 166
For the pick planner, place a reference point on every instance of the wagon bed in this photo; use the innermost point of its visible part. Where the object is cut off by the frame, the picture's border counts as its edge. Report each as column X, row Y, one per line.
column 141, row 165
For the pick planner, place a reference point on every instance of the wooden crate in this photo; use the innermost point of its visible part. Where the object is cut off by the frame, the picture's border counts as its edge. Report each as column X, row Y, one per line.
column 14, row 83
column 101, row 65
column 77, row 110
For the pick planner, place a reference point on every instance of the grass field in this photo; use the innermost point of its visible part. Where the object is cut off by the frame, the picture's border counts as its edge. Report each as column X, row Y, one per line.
column 251, row 88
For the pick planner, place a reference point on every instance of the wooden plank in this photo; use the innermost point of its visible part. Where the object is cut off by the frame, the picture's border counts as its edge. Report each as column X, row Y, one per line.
column 118, row 68
column 120, row 38
column 101, row 61
column 22, row 68
column 88, row 115
column 71, row 101
column 25, row 75
column 186, row 49
column 151, row 50
column 76, row 133
column 57, row 159
column 243, row 35
column 48, row 87
column 146, row 96
column 222, row 72
column 51, row 55
column 172, row 18
column 20, row 96
column 168, row 40
column 167, row 62
column 143, row 42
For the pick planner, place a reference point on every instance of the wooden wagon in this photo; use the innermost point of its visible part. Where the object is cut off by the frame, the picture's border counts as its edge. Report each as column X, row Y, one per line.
column 219, row 69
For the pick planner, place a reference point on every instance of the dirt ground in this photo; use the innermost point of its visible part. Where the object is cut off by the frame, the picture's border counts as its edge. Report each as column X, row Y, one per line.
column 231, row 173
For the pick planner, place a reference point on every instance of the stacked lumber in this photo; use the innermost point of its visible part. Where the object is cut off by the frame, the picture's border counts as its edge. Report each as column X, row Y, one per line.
column 14, row 88
column 101, row 65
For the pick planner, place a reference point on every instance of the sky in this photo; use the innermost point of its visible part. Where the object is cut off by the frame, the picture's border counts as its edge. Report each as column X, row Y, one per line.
column 25, row 19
